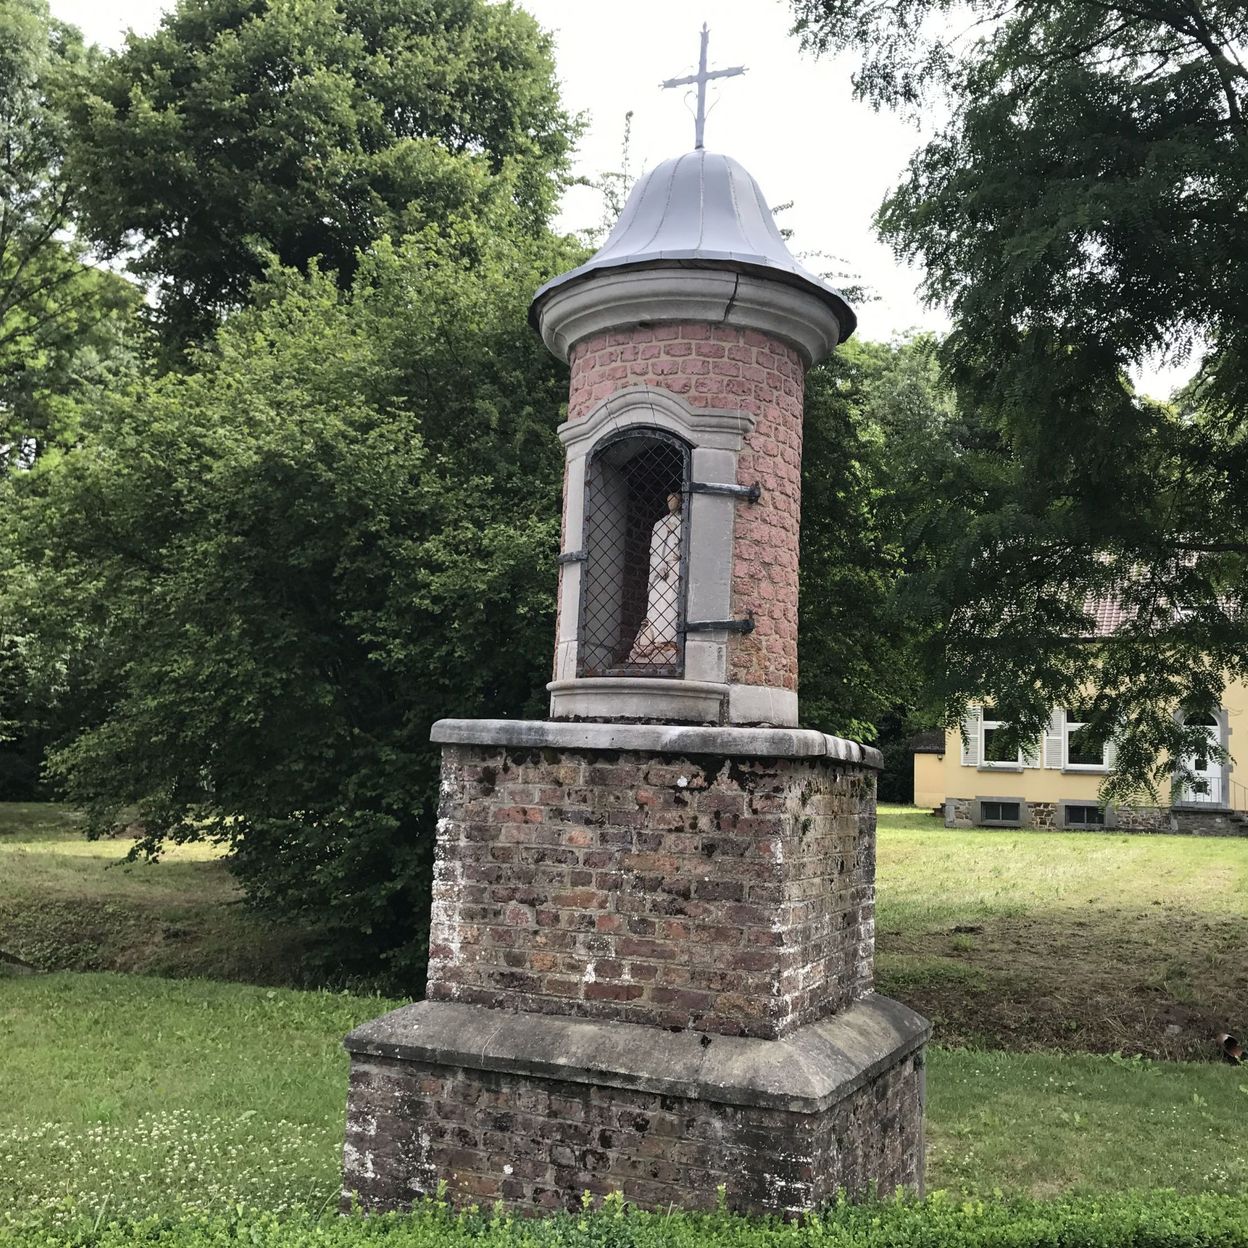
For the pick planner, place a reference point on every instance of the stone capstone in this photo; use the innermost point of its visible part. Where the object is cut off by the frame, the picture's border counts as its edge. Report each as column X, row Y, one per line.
column 674, row 739
column 805, row 1073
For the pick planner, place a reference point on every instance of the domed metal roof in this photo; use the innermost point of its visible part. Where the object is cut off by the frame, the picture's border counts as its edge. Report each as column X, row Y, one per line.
column 703, row 210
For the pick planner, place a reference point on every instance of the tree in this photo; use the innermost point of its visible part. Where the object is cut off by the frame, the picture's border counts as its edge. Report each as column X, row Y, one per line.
column 305, row 129
column 872, row 411
column 1082, row 210
column 877, row 418
column 268, row 576
column 61, row 320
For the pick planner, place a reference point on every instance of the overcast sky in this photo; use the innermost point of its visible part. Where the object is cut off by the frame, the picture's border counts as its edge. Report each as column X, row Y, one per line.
column 791, row 120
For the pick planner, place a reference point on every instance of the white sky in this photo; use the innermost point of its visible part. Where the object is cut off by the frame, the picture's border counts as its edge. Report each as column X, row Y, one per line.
column 790, row 120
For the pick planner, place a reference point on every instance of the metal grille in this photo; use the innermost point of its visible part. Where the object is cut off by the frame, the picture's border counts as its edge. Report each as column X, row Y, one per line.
column 633, row 587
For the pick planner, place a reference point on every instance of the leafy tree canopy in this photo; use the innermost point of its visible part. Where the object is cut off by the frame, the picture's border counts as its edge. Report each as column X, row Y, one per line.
column 1082, row 210
column 305, row 129
column 265, row 579
column 61, row 321
column 875, row 415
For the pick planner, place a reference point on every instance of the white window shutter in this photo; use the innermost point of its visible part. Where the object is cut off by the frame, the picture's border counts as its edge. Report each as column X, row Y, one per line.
column 1033, row 753
column 1111, row 753
column 1053, row 739
column 970, row 737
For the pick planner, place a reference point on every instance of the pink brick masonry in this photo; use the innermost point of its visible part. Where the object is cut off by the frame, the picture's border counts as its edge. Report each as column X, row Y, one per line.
column 721, row 366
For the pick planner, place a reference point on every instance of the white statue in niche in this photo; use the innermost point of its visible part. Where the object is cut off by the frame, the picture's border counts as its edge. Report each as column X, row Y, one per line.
column 655, row 643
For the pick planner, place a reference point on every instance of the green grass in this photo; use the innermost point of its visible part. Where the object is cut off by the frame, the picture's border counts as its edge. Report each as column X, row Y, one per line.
column 162, row 1095
column 67, row 903
column 159, row 1095
column 1075, row 941
column 1154, row 1220
column 1045, row 1123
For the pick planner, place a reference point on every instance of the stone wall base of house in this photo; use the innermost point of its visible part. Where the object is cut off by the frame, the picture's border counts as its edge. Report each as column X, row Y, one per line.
column 533, row 1111
column 960, row 813
column 1208, row 822
column 1141, row 819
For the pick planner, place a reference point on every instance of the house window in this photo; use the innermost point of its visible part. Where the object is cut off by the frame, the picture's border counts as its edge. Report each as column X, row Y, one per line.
column 1083, row 749
column 995, row 751
column 1084, row 817
column 1001, row 813
column 633, row 586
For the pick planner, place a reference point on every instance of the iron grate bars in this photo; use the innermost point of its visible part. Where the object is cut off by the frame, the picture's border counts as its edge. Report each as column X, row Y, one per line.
column 633, row 586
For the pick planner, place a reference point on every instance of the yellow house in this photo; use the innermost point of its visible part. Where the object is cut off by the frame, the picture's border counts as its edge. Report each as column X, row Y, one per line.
column 1056, row 783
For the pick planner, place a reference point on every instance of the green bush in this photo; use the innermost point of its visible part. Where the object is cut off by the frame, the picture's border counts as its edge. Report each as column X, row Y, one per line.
column 1159, row 1220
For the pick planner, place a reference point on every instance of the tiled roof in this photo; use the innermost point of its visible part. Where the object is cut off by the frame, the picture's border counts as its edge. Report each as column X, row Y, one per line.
column 1108, row 615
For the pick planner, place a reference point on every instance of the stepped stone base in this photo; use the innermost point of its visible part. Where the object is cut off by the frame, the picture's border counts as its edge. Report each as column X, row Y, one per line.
column 533, row 1111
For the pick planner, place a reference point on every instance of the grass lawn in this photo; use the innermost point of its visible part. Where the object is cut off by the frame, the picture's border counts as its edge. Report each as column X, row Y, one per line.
column 1077, row 941
column 160, row 1095
column 67, row 903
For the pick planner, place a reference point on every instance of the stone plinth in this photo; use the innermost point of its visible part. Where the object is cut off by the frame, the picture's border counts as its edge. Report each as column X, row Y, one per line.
column 532, row 1112
column 644, row 924
column 726, row 893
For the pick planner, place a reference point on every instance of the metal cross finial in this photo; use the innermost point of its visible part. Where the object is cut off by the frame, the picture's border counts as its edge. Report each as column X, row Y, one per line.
column 702, row 77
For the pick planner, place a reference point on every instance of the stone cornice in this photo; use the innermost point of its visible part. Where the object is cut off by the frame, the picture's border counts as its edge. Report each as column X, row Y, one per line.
column 667, row 738
column 611, row 299
column 806, row 1072
column 722, row 428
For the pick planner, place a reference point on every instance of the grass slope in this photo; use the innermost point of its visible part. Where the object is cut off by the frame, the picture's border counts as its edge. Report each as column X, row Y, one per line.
column 158, row 1096
column 1078, row 941
column 67, row 903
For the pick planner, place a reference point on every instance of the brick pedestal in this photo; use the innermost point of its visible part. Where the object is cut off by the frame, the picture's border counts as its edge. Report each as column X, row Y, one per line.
column 650, row 971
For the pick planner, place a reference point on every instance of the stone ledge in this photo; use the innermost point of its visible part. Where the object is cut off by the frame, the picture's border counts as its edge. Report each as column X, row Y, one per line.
column 533, row 734
column 637, row 698
column 814, row 1068
column 667, row 288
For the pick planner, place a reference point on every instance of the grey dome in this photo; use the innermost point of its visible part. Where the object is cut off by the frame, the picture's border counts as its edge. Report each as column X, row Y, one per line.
column 701, row 210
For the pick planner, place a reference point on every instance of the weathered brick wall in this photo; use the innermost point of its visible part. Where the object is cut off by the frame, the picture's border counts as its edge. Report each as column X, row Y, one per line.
column 1043, row 814
column 1204, row 823
column 727, row 895
column 537, row 1144
column 727, row 367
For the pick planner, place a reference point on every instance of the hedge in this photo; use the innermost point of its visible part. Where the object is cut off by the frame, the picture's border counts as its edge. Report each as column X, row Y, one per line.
column 1157, row 1220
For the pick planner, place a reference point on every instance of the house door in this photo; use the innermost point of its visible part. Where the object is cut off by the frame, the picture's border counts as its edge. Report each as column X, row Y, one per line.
column 1205, row 784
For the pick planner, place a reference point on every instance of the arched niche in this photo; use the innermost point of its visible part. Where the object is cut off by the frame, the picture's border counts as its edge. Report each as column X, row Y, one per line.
column 597, row 669
column 635, row 571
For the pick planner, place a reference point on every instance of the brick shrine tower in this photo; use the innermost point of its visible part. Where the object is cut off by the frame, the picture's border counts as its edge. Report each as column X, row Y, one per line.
column 653, row 923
